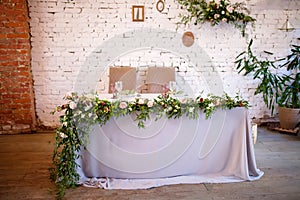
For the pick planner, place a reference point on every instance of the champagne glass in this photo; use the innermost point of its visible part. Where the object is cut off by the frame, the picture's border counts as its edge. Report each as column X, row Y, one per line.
column 172, row 86
column 165, row 88
column 118, row 86
column 113, row 90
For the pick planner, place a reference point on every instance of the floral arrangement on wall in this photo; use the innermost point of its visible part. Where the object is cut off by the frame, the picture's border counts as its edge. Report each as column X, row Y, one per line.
column 215, row 12
column 81, row 112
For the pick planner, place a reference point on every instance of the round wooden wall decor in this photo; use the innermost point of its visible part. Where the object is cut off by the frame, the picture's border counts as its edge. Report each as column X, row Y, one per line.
column 188, row 39
column 160, row 6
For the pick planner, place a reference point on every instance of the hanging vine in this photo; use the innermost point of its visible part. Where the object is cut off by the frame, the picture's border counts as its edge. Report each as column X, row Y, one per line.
column 215, row 12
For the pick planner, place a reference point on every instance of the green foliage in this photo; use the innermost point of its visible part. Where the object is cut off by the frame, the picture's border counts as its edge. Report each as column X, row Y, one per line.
column 80, row 113
column 142, row 111
column 207, row 104
column 65, row 153
column 230, row 102
column 212, row 102
column 103, row 110
column 290, row 96
column 275, row 88
column 170, row 106
column 200, row 11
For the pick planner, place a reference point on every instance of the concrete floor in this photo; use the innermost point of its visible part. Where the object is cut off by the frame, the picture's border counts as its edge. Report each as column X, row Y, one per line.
column 25, row 159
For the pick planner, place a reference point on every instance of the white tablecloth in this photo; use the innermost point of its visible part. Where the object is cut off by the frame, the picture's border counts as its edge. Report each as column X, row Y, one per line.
column 170, row 151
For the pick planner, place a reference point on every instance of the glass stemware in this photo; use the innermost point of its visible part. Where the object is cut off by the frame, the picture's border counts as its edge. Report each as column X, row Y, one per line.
column 172, row 86
column 113, row 90
column 118, row 87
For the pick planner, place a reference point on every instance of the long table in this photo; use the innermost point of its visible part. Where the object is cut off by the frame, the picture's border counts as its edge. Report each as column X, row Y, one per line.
column 120, row 155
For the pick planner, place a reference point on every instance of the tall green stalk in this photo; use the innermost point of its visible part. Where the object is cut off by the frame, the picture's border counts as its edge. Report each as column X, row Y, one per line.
column 281, row 89
column 270, row 85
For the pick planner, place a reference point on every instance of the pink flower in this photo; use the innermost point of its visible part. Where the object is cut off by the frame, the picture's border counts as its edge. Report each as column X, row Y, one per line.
column 216, row 16
column 72, row 105
column 217, row 103
column 68, row 95
column 230, row 9
column 224, row 20
column 150, row 104
column 123, row 105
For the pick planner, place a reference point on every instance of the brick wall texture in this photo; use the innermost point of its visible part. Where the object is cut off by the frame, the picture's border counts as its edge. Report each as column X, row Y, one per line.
column 75, row 41
column 16, row 91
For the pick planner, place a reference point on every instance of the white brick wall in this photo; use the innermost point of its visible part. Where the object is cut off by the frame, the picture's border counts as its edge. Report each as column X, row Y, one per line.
column 74, row 41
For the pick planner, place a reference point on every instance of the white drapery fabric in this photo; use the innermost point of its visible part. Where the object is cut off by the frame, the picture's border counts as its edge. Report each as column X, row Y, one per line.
column 170, row 151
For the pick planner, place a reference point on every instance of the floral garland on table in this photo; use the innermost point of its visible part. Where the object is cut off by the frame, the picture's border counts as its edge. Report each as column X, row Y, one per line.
column 216, row 11
column 81, row 112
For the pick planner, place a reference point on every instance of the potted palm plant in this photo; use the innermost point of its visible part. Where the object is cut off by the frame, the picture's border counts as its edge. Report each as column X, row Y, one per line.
column 289, row 100
column 276, row 89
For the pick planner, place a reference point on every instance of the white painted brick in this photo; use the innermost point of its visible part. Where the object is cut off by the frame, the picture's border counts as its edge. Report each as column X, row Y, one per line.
column 67, row 34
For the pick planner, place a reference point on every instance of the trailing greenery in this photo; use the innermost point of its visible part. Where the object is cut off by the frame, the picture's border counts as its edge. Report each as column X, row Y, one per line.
column 65, row 154
column 214, row 12
column 81, row 112
column 171, row 106
column 270, row 83
column 290, row 96
column 281, row 89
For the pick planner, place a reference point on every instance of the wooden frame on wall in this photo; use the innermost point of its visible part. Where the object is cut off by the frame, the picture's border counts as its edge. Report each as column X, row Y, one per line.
column 138, row 13
column 160, row 5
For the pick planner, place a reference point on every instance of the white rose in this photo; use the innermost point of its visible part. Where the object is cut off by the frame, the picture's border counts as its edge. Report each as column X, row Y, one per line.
column 150, row 104
column 211, row 105
column 72, row 105
column 86, row 108
column 62, row 135
column 141, row 101
column 191, row 109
